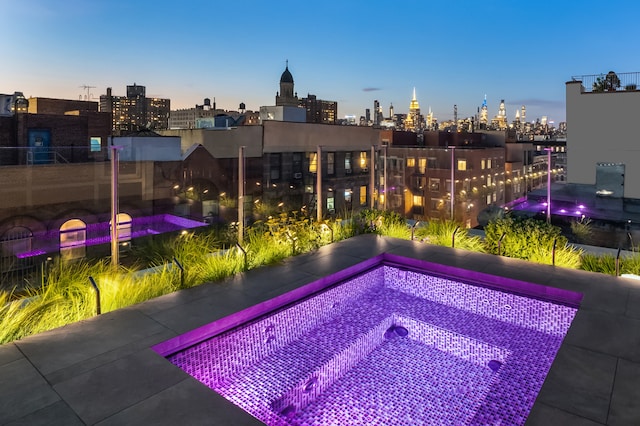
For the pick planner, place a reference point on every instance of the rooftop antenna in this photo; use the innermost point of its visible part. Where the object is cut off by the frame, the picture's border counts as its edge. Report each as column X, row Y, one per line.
column 87, row 97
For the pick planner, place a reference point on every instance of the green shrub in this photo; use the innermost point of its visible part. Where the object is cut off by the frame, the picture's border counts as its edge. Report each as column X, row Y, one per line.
column 605, row 264
column 440, row 232
column 522, row 237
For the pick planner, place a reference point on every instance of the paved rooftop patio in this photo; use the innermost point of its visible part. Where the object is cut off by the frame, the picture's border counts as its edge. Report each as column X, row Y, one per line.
column 103, row 371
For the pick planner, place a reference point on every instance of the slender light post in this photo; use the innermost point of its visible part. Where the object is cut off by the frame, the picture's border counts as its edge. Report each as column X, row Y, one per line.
column 453, row 174
column 115, row 168
column 384, row 178
column 319, row 183
column 241, row 194
column 372, row 177
column 548, row 184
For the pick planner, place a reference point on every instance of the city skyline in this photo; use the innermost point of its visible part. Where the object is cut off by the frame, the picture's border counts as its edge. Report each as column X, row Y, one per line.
column 349, row 52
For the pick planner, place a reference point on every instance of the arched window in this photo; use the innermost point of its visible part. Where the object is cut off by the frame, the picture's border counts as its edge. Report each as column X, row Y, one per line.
column 73, row 238
column 15, row 241
column 124, row 227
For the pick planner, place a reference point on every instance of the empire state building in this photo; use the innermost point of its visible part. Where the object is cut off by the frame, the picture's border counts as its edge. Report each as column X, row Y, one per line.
column 414, row 120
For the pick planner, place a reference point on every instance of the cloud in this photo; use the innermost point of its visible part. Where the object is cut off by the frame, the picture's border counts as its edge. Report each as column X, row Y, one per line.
column 371, row 89
column 541, row 103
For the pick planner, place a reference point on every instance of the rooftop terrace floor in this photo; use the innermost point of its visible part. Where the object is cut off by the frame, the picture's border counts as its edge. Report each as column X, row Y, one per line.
column 102, row 371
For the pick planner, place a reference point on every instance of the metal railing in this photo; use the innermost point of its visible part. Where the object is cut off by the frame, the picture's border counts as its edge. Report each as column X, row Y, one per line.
column 609, row 82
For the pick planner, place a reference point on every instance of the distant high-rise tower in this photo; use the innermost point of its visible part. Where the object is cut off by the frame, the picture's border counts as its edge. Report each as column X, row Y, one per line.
column 414, row 120
column 484, row 114
column 286, row 97
column 430, row 122
column 391, row 112
column 500, row 121
column 376, row 112
column 523, row 115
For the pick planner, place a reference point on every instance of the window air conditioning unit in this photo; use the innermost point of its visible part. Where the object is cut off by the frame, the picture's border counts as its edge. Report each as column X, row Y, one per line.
column 297, row 175
column 348, row 171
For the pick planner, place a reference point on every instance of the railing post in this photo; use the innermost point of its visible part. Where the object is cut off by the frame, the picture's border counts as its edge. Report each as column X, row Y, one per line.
column 244, row 252
column 95, row 287
column 500, row 243
column 618, row 263
column 553, row 252
column 453, row 237
column 179, row 265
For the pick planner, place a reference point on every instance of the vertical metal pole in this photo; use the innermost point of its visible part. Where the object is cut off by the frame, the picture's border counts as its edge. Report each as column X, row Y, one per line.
column 319, row 184
column 453, row 182
column 548, row 184
column 114, row 205
column 372, row 178
column 384, row 172
column 240, row 194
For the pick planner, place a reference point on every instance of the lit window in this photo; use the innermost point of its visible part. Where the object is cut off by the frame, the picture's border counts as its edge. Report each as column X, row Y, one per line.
column 363, row 195
column 411, row 162
column 96, row 144
column 417, row 200
column 489, row 163
column 462, row 164
column 422, row 165
column 483, row 164
column 347, row 162
column 313, row 162
column 363, row 159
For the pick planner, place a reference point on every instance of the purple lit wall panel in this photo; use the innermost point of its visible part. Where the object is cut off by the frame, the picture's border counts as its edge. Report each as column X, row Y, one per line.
column 331, row 359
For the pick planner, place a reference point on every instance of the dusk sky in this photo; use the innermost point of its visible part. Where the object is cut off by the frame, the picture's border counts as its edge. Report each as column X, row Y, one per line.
column 352, row 52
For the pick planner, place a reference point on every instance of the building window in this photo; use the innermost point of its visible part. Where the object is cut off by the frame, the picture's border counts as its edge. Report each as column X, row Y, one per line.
column 331, row 163
column 331, row 205
column 462, row 164
column 73, row 236
column 297, row 162
column 274, row 166
column 364, row 164
column 96, row 144
column 347, row 162
column 422, row 165
column 483, row 164
column 363, row 195
column 434, row 184
column 417, row 200
column 411, row 162
column 313, row 162
column 347, row 196
column 432, row 163
column 488, row 199
column 436, row 203
column 488, row 163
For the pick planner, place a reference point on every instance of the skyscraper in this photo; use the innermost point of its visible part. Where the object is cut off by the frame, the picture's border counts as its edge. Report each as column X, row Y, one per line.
column 414, row 120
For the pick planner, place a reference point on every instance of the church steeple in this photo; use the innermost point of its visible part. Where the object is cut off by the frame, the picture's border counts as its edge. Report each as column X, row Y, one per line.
column 286, row 95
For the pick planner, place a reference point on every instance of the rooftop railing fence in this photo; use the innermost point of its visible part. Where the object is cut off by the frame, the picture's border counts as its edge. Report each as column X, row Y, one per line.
column 609, row 82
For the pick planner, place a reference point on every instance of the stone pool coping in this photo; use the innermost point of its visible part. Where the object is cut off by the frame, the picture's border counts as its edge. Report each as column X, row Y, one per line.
column 103, row 370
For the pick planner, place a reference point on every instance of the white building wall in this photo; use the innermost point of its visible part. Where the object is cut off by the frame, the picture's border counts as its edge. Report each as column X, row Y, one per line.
column 602, row 128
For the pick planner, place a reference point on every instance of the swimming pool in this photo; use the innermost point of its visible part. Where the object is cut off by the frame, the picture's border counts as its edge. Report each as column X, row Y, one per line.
column 392, row 341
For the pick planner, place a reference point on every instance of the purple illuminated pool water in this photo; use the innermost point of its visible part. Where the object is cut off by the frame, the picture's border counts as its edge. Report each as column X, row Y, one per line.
column 389, row 346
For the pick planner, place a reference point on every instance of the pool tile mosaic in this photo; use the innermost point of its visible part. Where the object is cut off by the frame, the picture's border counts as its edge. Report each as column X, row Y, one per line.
column 389, row 346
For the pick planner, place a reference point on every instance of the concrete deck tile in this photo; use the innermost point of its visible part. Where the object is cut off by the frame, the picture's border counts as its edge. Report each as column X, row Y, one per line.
column 111, row 388
column 625, row 401
column 544, row 415
column 580, row 382
column 203, row 311
column 188, row 399
column 22, row 391
column 605, row 333
column 598, row 295
column 83, row 366
column 633, row 304
column 9, row 353
column 327, row 265
column 68, row 345
column 57, row 413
